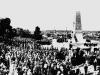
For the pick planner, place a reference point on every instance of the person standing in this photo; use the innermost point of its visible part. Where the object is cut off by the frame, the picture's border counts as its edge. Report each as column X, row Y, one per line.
column 86, row 69
column 95, row 64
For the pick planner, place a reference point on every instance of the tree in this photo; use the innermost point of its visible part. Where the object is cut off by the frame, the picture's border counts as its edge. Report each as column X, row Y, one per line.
column 26, row 33
column 48, row 34
column 69, row 36
column 5, row 28
column 23, row 33
column 37, row 34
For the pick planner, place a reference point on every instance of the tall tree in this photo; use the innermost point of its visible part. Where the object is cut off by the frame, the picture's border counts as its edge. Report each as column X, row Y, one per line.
column 37, row 34
column 5, row 28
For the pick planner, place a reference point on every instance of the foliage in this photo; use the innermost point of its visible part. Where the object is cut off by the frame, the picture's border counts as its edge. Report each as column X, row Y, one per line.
column 23, row 33
column 6, row 30
column 69, row 36
column 37, row 34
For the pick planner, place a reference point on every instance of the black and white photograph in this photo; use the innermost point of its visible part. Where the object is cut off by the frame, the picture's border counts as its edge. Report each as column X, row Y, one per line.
column 49, row 37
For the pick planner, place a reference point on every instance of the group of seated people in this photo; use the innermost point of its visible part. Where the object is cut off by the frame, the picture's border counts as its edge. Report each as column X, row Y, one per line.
column 25, row 60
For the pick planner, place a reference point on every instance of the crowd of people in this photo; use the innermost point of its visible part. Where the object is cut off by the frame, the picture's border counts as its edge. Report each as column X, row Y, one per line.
column 23, row 59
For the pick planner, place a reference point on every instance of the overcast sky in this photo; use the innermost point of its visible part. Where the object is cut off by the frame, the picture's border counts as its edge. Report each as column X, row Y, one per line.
column 51, row 14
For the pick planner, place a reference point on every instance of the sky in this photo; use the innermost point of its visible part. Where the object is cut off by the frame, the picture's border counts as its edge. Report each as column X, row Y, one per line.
column 51, row 14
